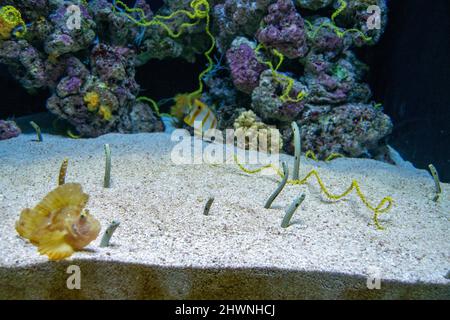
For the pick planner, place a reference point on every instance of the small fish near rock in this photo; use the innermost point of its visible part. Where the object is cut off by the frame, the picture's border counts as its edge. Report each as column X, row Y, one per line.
column 59, row 225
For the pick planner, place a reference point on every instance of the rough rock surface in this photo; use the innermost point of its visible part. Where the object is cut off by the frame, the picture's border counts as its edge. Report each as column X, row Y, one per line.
column 273, row 51
column 73, row 63
column 313, row 4
column 8, row 130
column 245, row 68
column 284, row 30
column 353, row 130
column 269, row 106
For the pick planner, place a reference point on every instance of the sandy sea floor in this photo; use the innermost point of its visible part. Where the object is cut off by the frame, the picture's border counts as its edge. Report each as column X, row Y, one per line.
column 160, row 206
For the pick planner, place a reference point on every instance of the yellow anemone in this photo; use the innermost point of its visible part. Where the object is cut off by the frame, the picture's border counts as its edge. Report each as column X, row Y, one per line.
column 92, row 100
column 105, row 112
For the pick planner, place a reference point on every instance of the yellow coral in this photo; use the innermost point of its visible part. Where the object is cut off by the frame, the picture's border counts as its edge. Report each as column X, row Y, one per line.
column 253, row 134
column 92, row 100
column 105, row 112
column 311, row 155
column 10, row 19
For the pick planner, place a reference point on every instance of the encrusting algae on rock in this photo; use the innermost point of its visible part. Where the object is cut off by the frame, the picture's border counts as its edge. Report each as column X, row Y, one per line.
column 59, row 224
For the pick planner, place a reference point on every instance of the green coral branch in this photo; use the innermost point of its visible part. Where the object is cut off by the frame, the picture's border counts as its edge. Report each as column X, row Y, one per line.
column 342, row 7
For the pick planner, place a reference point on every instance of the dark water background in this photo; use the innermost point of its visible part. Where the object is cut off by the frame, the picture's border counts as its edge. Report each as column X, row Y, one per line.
column 410, row 74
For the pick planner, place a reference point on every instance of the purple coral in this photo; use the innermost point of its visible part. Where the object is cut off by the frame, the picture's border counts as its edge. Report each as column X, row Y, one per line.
column 111, row 77
column 245, row 68
column 237, row 18
column 324, row 39
column 64, row 40
column 266, row 101
column 332, row 81
column 69, row 86
column 8, row 130
column 284, row 30
column 101, row 59
column 24, row 62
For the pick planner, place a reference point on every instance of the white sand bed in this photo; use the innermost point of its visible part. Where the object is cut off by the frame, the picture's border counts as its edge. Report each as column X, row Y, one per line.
column 166, row 248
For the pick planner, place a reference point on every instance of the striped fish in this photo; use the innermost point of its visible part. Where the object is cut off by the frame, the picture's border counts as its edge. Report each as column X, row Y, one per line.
column 201, row 118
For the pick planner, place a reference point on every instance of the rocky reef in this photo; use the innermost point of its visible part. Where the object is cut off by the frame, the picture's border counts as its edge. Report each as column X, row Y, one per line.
column 8, row 130
column 283, row 60
column 89, row 69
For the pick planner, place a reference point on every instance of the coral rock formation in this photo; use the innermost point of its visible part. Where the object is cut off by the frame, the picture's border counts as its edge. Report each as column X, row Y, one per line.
column 268, row 104
column 92, row 81
column 286, row 60
column 253, row 134
column 244, row 67
column 353, row 130
column 284, row 30
column 313, row 4
column 8, row 130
